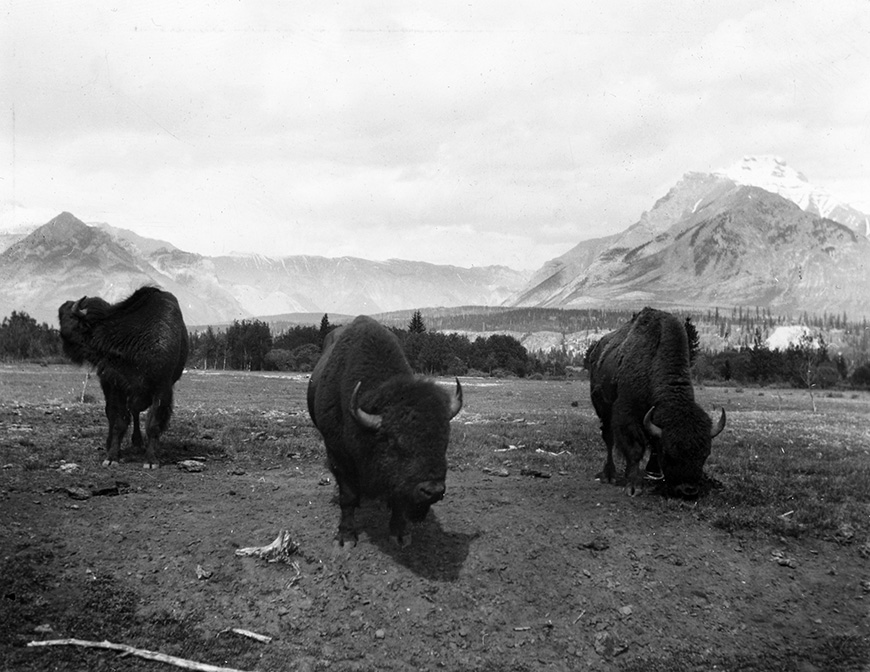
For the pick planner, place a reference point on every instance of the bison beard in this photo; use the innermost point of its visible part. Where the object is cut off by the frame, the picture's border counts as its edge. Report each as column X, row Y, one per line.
column 139, row 348
column 642, row 392
column 386, row 431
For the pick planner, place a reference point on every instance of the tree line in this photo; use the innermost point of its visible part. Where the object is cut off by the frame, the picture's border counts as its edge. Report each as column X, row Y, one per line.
column 250, row 345
column 22, row 339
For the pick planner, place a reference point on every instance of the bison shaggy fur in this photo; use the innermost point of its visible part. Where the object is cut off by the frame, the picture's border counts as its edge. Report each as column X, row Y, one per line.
column 642, row 391
column 139, row 348
column 386, row 430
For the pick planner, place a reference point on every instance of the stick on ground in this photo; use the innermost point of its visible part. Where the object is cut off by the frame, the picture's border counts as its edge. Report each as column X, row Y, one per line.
column 141, row 653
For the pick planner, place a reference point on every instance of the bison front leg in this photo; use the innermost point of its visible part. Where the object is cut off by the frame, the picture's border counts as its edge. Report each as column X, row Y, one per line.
column 398, row 526
column 632, row 445
column 653, row 465
column 137, row 433
column 348, row 500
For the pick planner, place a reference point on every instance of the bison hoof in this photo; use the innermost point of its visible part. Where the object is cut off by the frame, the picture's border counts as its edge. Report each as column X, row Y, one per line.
column 110, row 463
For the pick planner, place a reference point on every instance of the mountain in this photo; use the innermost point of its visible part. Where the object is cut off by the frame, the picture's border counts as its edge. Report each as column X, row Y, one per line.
column 66, row 259
column 9, row 238
column 133, row 241
column 773, row 174
column 714, row 240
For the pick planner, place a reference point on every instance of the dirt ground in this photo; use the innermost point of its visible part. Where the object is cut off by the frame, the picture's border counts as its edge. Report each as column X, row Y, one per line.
column 528, row 563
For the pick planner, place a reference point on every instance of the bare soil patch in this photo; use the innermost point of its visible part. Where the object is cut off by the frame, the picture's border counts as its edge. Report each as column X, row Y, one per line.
column 527, row 564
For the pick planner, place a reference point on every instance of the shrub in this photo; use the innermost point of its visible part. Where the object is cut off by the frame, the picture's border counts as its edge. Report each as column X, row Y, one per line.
column 278, row 359
column 861, row 376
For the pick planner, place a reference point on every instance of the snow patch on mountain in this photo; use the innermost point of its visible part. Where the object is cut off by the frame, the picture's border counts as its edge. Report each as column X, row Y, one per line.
column 773, row 174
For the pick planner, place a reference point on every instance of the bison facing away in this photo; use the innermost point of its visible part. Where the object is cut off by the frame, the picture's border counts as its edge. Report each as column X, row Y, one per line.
column 386, row 430
column 642, row 392
column 138, row 347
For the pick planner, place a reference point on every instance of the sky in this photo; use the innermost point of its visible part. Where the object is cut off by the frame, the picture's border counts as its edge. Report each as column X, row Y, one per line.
column 465, row 133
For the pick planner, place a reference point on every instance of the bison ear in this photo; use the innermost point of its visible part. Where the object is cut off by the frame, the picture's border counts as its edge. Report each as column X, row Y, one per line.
column 456, row 400
column 719, row 426
column 651, row 428
column 367, row 420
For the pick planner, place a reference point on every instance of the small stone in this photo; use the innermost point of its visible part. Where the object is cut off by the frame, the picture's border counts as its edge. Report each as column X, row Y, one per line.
column 845, row 533
column 105, row 490
column 380, row 633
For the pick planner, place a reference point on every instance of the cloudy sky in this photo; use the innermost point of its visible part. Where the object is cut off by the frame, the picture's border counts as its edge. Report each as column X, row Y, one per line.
column 469, row 133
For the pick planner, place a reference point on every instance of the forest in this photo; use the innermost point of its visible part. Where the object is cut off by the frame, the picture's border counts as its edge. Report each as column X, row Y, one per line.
column 726, row 345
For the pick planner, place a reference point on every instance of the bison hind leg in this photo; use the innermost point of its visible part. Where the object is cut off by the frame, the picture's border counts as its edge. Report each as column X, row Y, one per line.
column 158, row 420
column 119, row 419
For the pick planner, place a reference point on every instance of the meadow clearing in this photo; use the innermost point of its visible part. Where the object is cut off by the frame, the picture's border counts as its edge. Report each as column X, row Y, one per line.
column 527, row 564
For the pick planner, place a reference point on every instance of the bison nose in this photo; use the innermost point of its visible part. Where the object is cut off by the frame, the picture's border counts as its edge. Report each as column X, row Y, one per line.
column 687, row 490
column 430, row 491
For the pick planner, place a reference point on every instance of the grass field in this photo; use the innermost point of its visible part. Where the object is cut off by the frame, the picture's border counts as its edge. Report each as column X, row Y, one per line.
column 527, row 564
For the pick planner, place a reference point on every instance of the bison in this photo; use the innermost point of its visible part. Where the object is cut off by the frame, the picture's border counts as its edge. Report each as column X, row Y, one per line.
column 139, row 348
column 642, row 392
column 386, row 430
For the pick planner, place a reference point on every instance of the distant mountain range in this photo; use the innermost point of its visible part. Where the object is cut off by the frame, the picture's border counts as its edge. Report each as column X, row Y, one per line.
column 758, row 234
column 66, row 259
column 739, row 237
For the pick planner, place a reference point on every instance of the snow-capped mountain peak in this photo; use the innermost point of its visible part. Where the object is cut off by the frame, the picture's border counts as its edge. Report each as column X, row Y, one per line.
column 773, row 174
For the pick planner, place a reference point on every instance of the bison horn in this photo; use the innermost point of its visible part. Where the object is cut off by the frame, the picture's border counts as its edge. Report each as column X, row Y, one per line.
column 456, row 399
column 77, row 308
column 367, row 420
column 648, row 424
column 719, row 426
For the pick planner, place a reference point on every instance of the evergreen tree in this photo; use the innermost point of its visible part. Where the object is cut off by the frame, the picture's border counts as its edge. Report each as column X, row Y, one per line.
column 248, row 342
column 416, row 325
column 324, row 328
column 694, row 340
column 22, row 338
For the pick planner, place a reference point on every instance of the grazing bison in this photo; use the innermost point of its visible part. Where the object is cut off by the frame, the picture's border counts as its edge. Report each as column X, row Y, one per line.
column 642, row 392
column 385, row 429
column 139, row 347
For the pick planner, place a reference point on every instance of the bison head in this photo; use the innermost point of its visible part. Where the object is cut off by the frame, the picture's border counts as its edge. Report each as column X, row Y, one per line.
column 684, row 438
column 77, row 320
column 410, row 420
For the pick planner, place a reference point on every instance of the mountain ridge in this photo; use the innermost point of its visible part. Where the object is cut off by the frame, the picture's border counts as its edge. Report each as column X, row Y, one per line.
column 713, row 240
column 66, row 258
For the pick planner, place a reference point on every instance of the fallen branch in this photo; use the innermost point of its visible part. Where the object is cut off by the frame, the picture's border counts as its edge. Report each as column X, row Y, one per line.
column 247, row 633
column 142, row 653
